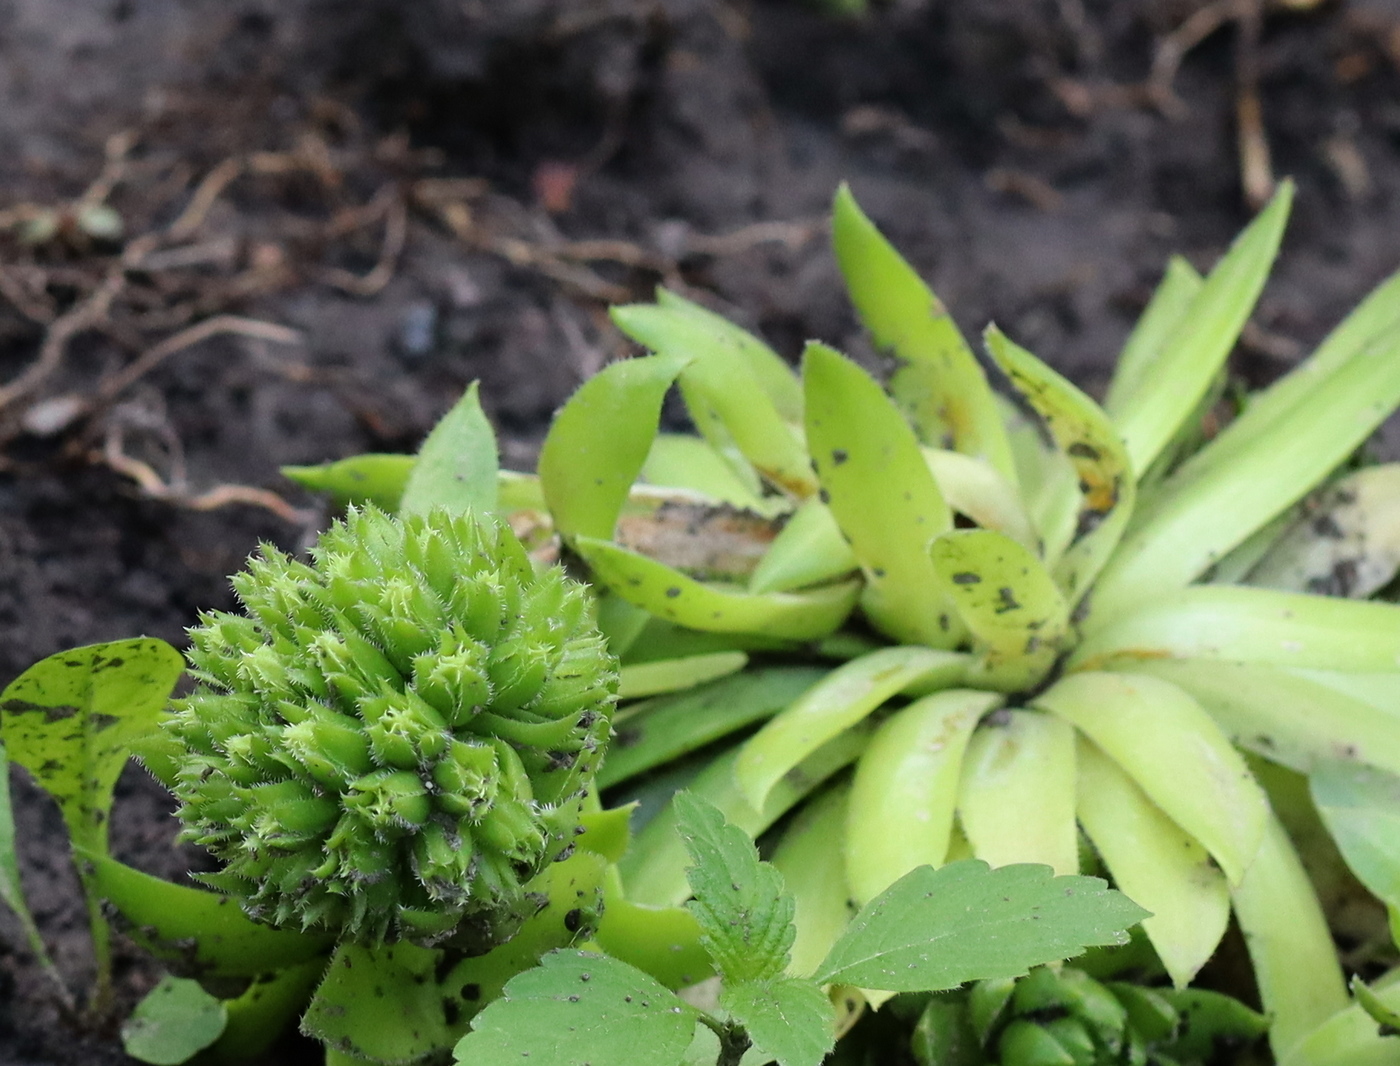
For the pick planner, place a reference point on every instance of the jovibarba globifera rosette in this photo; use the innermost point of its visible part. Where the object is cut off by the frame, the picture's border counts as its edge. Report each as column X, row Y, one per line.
column 396, row 737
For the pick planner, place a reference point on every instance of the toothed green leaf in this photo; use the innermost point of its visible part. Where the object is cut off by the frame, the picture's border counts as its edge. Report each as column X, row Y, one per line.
column 576, row 1007
column 939, row 383
column 790, row 1020
column 936, row 929
column 457, row 465
column 744, row 910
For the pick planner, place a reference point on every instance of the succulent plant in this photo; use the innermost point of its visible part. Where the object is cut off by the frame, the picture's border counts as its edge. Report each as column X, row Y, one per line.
column 396, row 737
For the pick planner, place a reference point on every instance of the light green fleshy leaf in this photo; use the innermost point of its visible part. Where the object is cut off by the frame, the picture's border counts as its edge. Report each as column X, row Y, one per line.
column 358, row 480
column 599, row 440
column 457, row 464
column 881, row 493
column 936, row 929
column 1091, row 443
column 1153, row 331
column 650, row 734
column 1205, row 509
column 674, row 597
column 848, row 694
column 815, row 873
column 1191, row 356
column 1018, row 619
column 939, row 382
column 1361, row 808
column 975, row 488
column 679, row 460
column 809, row 550
column 676, row 675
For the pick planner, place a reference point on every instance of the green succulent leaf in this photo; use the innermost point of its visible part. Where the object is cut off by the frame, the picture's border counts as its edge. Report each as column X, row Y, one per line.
column 725, row 398
column 1092, row 445
column 1009, row 602
column 789, row 1019
column 70, row 720
column 677, row 675
column 1189, row 359
column 1387, row 1017
column 815, row 873
column 881, row 493
column 1361, row 808
column 936, row 929
column 204, row 932
column 846, row 696
column 744, row 911
column 679, row 460
column 599, row 442
column 175, row 1021
column 646, row 735
column 458, row 464
column 358, row 480
column 661, row 941
column 265, row 1011
column 1152, row 333
column 809, row 550
column 576, row 1007
column 1208, row 507
column 939, row 383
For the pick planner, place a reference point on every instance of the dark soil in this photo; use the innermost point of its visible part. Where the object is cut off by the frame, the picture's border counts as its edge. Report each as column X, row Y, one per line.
column 540, row 158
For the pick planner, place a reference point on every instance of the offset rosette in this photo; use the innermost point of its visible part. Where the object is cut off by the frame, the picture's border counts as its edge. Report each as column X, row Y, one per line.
column 396, row 737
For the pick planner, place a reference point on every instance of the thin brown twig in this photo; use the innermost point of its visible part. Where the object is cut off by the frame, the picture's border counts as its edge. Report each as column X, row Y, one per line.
column 1256, row 166
column 395, row 213
column 1173, row 48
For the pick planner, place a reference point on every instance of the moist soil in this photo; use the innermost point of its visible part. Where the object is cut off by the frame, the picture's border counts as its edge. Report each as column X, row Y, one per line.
column 389, row 201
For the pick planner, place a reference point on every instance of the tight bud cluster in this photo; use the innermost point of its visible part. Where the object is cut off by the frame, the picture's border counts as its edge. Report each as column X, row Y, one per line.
column 397, row 736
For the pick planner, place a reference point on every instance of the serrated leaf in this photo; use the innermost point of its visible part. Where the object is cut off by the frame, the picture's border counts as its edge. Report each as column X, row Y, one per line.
column 204, row 931
column 457, row 463
column 939, row 382
column 175, row 1021
column 646, row 735
column 745, row 914
column 881, row 493
column 599, row 441
column 790, row 1019
column 1361, row 807
column 70, row 721
column 1008, row 601
column 1092, row 445
column 936, row 929
column 575, row 1008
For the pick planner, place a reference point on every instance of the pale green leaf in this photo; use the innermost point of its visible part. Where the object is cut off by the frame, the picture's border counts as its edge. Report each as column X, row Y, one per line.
column 70, row 720
column 1192, row 355
column 646, row 735
column 790, row 1019
column 939, row 382
column 1161, row 317
column 1091, row 443
column 1361, row 807
column 358, row 480
column 598, row 443
column 881, row 493
column 175, row 1021
column 745, row 913
column 808, row 550
column 815, row 873
column 936, row 929
column 575, row 1008
column 679, row 460
column 457, row 464
column 676, row 675
column 1018, row 618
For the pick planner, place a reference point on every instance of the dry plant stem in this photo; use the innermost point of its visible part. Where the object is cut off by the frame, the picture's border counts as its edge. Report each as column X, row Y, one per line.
column 1256, row 169
column 391, row 205
column 1172, row 49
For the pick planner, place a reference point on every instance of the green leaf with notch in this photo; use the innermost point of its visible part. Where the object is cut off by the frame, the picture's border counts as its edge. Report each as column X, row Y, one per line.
column 744, row 911
column 1192, row 355
column 939, row 382
column 882, row 495
column 174, row 1022
column 1010, row 603
column 458, row 463
column 598, row 443
column 1092, row 445
column 936, row 929
column 576, row 1007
